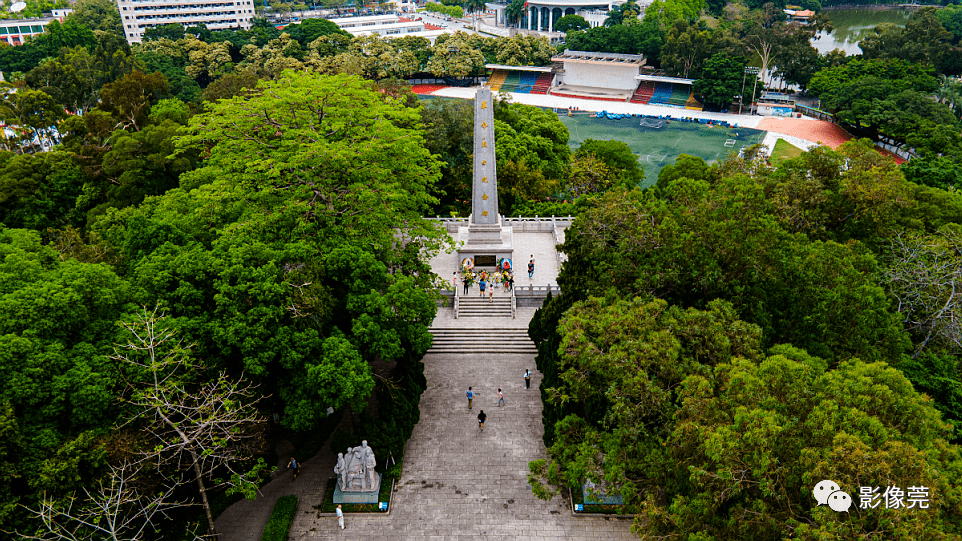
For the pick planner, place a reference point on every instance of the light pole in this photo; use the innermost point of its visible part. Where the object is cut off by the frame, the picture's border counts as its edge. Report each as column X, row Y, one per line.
column 748, row 70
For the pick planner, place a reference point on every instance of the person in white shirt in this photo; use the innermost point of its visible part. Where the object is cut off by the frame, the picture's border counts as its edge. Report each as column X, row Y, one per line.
column 340, row 516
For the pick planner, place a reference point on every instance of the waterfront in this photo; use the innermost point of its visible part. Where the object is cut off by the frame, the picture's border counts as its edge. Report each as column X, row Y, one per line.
column 850, row 24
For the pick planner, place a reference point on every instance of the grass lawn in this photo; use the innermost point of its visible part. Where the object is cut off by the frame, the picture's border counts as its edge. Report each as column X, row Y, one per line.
column 658, row 147
column 784, row 150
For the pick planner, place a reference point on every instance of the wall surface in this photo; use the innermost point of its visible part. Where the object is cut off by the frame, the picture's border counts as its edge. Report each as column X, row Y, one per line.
column 620, row 77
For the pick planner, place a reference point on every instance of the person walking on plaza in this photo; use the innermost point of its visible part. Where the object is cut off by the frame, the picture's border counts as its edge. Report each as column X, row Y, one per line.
column 470, row 395
column 527, row 378
column 482, row 285
column 466, row 282
column 491, row 294
column 481, row 418
column 500, row 398
column 294, row 466
column 531, row 267
column 454, row 279
column 340, row 516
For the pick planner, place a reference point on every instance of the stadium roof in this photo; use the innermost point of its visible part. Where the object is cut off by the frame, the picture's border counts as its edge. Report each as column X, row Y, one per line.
column 662, row 79
column 518, row 68
column 599, row 58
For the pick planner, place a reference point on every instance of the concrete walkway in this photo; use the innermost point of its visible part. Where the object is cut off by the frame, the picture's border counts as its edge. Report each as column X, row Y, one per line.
column 246, row 519
column 458, row 483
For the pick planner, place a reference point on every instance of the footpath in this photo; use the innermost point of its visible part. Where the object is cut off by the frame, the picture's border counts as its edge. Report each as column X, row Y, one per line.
column 458, row 482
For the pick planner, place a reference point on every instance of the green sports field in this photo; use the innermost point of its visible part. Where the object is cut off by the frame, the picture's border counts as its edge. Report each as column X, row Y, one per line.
column 657, row 147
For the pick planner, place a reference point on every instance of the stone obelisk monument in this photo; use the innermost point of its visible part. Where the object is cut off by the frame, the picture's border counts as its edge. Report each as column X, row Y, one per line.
column 487, row 240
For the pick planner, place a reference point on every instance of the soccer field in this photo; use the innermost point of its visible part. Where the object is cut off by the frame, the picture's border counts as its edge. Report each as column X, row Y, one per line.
column 657, row 147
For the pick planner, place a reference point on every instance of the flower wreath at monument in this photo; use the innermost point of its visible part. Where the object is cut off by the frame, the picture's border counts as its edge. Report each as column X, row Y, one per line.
column 504, row 264
column 467, row 264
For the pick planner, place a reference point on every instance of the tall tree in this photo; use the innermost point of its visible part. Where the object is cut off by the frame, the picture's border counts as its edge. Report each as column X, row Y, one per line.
column 207, row 427
column 618, row 157
column 130, row 97
column 925, row 277
column 686, row 47
column 720, row 81
column 474, row 7
column 99, row 15
column 515, row 11
column 571, row 23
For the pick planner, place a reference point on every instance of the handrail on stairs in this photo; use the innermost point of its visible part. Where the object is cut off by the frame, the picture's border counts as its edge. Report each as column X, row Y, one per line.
column 514, row 305
column 457, row 302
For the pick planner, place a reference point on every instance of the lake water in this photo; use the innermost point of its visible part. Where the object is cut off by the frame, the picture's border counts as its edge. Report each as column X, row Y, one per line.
column 851, row 23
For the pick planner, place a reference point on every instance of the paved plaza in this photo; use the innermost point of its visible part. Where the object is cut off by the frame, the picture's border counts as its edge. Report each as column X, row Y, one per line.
column 458, row 483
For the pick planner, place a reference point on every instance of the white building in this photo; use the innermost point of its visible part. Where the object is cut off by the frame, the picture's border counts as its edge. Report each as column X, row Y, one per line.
column 387, row 30
column 403, row 6
column 15, row 31
column 139, row 15
column 600, row 70
column 348, row 23
column 541, row 15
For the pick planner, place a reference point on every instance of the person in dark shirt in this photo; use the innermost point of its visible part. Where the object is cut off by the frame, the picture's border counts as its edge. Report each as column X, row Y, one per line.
column 481, row 419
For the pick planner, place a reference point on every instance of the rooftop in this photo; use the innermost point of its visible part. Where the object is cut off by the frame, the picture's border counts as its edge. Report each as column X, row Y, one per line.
column 611, row 58
column 8, row 22
column 518, row 68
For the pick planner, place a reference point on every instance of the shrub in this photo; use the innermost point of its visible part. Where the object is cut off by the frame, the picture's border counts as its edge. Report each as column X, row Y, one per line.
column 281, row 518
column 545, row 208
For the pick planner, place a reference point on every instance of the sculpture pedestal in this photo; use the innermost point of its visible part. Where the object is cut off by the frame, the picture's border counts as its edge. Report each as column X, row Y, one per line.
column 492, row 240
column 615, row 499
column 356, row 496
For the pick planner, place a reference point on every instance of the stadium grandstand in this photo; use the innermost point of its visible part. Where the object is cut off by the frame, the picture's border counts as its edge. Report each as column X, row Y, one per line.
column 665, row 91
column 520, row 79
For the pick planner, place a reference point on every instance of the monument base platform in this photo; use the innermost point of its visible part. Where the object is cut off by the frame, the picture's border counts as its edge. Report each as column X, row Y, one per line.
column 370, row 496
column 490, row 254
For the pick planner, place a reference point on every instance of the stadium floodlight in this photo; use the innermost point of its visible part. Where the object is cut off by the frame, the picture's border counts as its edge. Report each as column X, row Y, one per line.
column 749, row 70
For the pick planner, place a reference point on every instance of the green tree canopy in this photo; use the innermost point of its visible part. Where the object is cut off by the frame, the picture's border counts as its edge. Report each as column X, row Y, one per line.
column 720, row 81
column 309, row 30
column 99, row 15
column 618, row 157
column 647, row 39
column 672, row 408
column 570, row 23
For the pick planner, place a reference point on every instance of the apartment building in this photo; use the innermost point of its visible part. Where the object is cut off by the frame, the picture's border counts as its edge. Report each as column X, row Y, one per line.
column 139, row 15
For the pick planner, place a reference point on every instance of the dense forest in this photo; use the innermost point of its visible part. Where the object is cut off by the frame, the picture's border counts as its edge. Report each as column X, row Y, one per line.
column 216, row 218
column 741, row 331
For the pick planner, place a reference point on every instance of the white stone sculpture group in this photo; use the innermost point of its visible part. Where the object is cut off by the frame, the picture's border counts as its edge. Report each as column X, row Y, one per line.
column 355, row 470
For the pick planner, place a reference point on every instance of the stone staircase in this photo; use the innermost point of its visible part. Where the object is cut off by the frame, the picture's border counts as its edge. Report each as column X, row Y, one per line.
column 477, row 340
column 472, row 306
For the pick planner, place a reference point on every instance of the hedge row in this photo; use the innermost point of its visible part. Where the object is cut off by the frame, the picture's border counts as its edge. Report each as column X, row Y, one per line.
column 281, row 517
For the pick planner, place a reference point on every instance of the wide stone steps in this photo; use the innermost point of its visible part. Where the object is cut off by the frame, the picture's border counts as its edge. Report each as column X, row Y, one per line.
column 484, row 307
column 482, row 340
